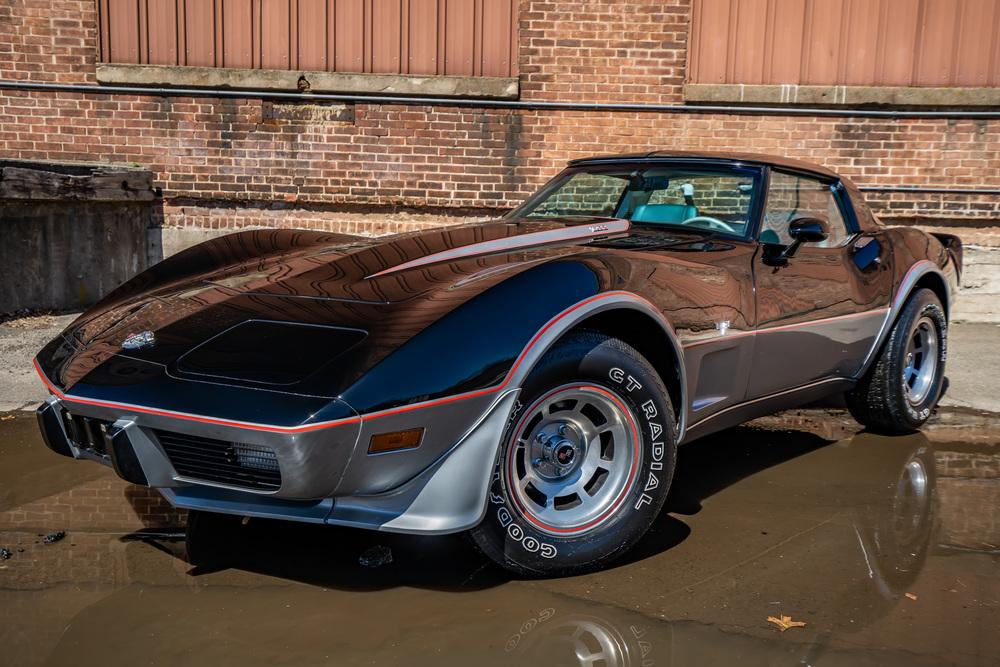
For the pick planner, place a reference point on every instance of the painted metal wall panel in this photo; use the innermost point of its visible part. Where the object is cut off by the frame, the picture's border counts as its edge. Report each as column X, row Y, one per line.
column 846, row 42
column 464, row 37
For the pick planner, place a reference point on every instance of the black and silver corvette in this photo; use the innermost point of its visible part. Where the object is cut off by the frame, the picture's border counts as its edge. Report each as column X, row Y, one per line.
column 528, row 379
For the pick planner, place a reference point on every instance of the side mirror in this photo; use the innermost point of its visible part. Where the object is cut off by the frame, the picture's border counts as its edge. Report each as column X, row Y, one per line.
column 808, row 230
column 802, row 230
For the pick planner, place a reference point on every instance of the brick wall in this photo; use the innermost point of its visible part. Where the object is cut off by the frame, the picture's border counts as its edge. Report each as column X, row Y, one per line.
column 232, row 162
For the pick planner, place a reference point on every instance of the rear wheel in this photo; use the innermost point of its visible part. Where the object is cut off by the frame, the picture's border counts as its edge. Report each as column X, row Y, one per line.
column 903, row 386
column 585, row 463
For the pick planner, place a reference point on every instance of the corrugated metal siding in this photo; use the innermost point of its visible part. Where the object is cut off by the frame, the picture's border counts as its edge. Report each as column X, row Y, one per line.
column 846, row 42
column 462, row 37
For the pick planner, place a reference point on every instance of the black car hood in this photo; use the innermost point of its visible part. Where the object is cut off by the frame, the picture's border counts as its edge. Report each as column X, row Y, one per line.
column 388, row 289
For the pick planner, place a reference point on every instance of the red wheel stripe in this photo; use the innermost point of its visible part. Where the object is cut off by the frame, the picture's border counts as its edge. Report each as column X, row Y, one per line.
column 628, row 485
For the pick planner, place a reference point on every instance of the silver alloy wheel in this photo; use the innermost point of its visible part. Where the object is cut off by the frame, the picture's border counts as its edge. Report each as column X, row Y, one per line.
column 573, row 459
column 920, row 362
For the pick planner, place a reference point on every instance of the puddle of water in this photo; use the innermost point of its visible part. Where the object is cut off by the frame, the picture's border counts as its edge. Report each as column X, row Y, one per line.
column 886, row 547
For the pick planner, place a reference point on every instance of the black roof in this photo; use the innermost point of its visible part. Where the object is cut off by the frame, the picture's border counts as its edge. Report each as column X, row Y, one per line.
column 735, row 158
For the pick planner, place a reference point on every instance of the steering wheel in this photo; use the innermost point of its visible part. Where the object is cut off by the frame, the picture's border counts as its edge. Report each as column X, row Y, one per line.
column 713, row 223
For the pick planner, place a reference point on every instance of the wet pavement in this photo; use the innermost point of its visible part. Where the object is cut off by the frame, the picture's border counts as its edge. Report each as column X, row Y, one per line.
column 887, row 548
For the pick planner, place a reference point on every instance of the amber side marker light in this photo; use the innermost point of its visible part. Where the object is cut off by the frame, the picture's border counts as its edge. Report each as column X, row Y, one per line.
column 390, row 442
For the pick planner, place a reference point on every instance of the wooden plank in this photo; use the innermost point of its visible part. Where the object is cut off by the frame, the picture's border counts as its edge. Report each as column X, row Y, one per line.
column 100, row 185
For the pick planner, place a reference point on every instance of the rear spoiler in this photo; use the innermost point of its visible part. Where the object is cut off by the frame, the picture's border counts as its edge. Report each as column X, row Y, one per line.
column 953, row 245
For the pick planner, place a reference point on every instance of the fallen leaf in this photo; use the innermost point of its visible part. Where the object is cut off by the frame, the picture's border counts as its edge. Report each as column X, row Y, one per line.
column 912, row 596
column 785, row 622
column 6, row 418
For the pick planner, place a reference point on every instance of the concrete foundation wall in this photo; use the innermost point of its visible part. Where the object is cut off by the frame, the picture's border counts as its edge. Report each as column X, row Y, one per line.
column 67, row 255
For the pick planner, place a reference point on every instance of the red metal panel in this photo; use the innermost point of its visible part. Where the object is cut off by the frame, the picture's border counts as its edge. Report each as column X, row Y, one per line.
column 751, row 19
column 785, row 59
column 462, row 37
column 822, row 40
column 199, row 28
column 386, row 36
column 237, row 33
column 312, row 35
column 275, row 34
column 710, row 35
column 460, row 17
column 350, row 35
column 896, row 50
column 936, row 42
column 423, row 36
column 496, row 37
column 123, row 22
column 975, row 40
column 858, row 61
column 161, row 21
column 846, row 42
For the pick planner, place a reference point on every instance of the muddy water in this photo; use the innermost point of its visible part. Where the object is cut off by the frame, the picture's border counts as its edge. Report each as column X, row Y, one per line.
column 887, row 548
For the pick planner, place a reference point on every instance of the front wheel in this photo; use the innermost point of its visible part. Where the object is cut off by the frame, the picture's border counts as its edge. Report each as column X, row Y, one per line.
column 904, row 384
column 585, row 462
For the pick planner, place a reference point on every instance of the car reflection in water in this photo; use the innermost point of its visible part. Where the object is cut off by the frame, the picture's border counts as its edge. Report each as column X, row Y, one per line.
column 295, row 594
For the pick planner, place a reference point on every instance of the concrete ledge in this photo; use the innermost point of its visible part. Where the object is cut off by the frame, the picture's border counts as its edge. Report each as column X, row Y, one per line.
column 315, row 82
column 846, row 95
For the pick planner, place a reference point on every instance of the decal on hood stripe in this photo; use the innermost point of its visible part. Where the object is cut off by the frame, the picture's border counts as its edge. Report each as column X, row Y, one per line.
column 511, row 243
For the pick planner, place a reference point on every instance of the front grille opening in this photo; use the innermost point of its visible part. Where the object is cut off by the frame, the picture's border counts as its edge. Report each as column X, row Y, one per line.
column 86, row 433
column 221, row 461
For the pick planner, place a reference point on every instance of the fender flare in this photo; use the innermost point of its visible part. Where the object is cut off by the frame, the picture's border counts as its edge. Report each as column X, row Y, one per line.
column 917, row 270
column 565, row 321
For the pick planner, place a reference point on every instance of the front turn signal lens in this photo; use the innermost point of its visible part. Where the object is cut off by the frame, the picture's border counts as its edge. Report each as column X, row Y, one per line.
column 391, row 442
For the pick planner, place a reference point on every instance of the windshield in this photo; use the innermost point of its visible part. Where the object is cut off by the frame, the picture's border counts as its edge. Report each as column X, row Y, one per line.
column 717, row 200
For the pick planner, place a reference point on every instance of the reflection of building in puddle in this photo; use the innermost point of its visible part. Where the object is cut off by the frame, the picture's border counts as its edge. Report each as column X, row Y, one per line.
column 968, row 488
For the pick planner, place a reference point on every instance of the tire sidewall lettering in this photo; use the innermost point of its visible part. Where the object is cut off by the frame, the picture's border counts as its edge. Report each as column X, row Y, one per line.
column 648, row 411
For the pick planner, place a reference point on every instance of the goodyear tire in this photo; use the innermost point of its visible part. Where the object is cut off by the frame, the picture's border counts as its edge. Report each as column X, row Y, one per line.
column 901, row 389
column 585, row 462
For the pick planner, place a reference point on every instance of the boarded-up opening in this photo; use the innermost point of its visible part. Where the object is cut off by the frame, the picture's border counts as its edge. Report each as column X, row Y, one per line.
column 419, row 37
column 944, row 43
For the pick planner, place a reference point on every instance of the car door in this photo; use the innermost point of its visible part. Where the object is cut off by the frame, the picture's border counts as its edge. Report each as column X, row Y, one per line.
column 817, row 314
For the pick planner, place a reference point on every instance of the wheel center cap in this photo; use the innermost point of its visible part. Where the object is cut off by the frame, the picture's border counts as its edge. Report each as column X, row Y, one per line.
column 565, row 453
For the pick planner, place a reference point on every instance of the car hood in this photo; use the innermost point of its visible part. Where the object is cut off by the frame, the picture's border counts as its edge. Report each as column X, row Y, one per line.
column 343, row 293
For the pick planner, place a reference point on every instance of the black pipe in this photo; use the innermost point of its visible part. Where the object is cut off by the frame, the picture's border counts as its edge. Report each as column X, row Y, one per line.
column 494, row 104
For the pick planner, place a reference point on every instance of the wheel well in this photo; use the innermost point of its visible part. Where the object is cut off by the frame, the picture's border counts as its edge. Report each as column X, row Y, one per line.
column 647, row 336
column 935, row 283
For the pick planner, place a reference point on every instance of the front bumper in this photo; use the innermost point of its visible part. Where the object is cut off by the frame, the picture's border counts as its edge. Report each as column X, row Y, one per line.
column 326, row 476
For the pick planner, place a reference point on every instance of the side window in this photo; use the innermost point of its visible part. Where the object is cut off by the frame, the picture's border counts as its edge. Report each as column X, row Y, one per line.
column 789, row 197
